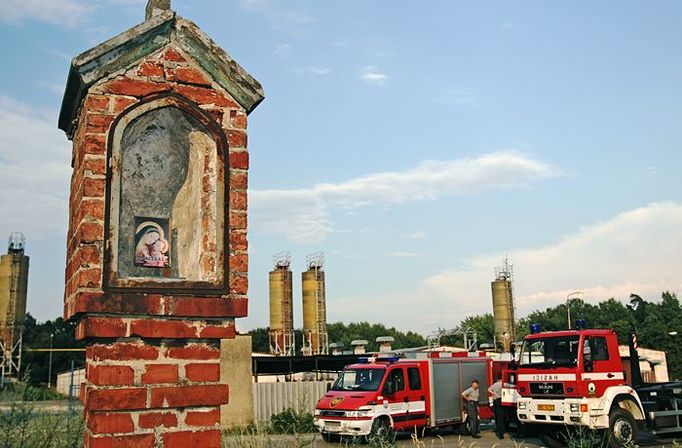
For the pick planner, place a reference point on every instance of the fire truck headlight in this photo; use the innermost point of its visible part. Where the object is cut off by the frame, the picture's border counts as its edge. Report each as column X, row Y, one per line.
column 359, row 413
column 522, row 406
column 575, row 407
column 318, row 412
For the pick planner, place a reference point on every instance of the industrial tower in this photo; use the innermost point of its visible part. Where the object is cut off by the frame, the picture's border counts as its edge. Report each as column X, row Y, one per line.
column 503, row 306
column 13, row 287
column 282, row 342
column 315, row 340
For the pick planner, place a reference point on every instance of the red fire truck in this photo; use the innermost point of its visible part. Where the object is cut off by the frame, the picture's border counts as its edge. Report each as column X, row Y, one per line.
column 392, row 394
column 575, row 378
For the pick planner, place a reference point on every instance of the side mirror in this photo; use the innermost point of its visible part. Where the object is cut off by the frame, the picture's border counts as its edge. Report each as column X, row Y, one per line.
column 329, row 387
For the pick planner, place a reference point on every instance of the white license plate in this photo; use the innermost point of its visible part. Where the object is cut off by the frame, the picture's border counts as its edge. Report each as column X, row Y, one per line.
column 332, row 426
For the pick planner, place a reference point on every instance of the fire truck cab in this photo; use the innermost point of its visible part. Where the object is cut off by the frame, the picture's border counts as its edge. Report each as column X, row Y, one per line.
column 391, row 394
column 575, row 377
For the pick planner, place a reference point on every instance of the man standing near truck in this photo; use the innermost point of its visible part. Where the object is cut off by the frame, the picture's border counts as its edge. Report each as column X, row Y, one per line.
column 471, row 396
column 500, row 413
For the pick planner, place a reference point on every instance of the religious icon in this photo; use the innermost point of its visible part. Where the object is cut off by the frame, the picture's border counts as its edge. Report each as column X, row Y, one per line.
column 151, row 242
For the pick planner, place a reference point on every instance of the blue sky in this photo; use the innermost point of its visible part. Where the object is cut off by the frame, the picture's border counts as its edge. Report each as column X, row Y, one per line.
column 415, row 143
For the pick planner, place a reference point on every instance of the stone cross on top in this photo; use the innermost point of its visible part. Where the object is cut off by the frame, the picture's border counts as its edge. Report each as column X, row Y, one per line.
column 156, row 7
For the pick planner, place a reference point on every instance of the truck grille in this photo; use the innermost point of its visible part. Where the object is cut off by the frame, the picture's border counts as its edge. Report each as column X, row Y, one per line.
column 332, row 413
column 547, row 389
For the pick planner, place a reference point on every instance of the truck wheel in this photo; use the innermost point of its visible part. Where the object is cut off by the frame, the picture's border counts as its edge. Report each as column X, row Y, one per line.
column 381, row 431
column 622, row 430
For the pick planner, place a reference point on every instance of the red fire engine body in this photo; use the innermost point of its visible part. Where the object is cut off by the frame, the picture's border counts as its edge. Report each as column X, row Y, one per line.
column 394, row 394
column 576, row 378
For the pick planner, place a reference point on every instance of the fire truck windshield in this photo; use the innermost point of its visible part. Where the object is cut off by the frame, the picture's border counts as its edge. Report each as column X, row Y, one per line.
column 359, row 379
column 550, row 352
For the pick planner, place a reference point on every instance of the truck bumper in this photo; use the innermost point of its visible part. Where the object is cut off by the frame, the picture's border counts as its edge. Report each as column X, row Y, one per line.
column 346, row 427
column 577, row 412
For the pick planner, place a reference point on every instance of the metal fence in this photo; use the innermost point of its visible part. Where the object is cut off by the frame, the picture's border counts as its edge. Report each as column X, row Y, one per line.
column 272, row 398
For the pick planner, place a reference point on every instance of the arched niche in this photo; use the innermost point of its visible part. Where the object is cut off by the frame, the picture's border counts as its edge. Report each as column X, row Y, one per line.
column 166, row 201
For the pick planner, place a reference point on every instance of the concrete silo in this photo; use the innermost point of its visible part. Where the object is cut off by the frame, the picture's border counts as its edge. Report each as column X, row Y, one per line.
column 282, row 307
column 503, row 306
column 13, row 288
column 314, row 307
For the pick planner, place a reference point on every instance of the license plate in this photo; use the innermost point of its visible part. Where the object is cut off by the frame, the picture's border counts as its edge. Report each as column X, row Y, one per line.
column 545, row 407
column 332, row 426
column 551, row 389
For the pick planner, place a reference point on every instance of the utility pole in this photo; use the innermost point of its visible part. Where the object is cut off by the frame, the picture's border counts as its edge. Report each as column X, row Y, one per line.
column 49, row 368
column 568, row 305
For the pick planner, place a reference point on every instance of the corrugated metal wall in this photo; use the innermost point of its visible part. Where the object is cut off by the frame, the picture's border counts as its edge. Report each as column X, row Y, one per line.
column 272, row 398
column 64, row 381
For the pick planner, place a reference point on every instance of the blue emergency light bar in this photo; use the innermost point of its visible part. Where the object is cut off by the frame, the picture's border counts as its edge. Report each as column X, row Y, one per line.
column 373, row 359
column 534, row 328
column 580, row 324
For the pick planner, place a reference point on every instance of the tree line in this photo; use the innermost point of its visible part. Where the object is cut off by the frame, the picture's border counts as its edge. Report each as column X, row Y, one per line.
column 346, row 333
column 37, row 336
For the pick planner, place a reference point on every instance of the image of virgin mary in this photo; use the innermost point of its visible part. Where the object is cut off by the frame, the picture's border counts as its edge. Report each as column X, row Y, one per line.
column 151, row 245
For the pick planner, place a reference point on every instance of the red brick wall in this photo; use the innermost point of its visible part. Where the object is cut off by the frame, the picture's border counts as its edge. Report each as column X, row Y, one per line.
column 152, row 375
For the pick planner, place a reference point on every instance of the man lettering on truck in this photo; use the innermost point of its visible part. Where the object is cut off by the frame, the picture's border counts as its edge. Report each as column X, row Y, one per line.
column 471, row 399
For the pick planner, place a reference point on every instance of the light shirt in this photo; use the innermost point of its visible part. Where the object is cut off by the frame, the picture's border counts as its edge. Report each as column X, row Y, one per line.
column 471, row 393
column 496, row 390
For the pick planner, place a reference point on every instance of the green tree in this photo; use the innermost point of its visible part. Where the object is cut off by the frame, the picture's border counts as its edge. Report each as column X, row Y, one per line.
column 346, row 333
column 260, row 341
column 37, row 336
column 483, row 325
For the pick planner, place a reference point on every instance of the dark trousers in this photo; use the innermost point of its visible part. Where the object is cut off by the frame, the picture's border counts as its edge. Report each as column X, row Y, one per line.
column 500, row 417
column 472, row 416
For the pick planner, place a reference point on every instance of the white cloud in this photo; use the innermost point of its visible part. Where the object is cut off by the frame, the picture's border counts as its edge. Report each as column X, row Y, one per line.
column 56, row 12
column 403, row 254
column 319, row 71
column 35, row 164
column 418, row 235
column 373, row 76
column 634, row 252
column 303, row 214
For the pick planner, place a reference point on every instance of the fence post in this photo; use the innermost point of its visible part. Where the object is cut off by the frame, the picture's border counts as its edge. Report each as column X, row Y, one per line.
column 71, row 410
